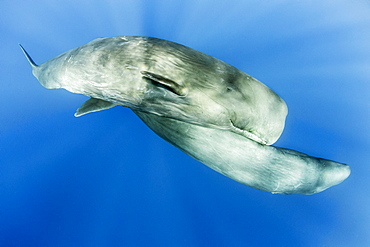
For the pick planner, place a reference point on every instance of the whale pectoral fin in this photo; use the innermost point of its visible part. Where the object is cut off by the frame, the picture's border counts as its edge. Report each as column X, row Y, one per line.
column 166, row 83
column 93, row 105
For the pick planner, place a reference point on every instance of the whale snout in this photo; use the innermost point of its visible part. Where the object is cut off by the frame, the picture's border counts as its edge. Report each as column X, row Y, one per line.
column 332, row 174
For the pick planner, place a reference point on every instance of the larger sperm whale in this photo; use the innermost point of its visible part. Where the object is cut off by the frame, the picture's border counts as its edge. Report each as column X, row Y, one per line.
column 209, row 109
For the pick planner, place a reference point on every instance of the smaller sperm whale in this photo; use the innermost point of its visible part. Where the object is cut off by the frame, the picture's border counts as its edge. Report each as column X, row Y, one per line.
column 209, row 109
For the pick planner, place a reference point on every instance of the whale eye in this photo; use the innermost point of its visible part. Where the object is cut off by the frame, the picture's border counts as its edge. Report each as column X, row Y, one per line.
column 231, row 87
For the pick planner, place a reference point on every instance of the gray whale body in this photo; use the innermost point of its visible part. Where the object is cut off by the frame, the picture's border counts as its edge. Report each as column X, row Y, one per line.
column 212, row 111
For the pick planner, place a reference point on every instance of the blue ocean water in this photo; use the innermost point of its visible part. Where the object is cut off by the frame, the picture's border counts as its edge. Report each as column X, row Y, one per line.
column 105, row 179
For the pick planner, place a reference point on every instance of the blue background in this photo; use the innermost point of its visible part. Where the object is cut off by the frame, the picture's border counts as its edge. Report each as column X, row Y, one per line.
column 105, row 179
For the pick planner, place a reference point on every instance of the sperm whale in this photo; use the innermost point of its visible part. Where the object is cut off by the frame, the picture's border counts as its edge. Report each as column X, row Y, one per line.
column 209, row 109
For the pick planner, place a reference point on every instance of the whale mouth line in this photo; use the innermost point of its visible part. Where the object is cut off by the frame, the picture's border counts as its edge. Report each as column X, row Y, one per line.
column 247, row 134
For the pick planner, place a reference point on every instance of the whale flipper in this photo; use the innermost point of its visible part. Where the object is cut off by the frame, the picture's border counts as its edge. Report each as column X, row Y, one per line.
column 93, row 105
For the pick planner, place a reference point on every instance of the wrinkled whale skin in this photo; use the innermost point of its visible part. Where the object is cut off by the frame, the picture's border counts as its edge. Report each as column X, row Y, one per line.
column 267, row 168
column 212, row 111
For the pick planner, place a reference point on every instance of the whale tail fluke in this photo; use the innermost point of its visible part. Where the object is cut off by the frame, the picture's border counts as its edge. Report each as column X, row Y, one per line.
column 31, row 62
